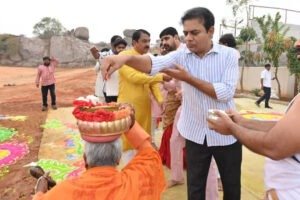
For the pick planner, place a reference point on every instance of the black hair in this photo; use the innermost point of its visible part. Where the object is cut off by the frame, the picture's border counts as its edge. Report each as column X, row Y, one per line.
column 104, row 49
column 203, row 14
column 119, row 41
column 114, row 38
column 267, row 65
column 46, row 58
column 228, row 40
column 168, row 31
column 137, row 34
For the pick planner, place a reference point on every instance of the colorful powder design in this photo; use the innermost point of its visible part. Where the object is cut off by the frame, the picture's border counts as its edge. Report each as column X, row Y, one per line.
column 25, row 137
column 18, row 118
column 70, row 131
column 78, row 171
column 3, row 117
column 3, row 171
column 29, row 139
column 13, row 118
column 58, row 171
column 73, row 147
column 263, row 116
column 6, row 133
column 73, row 144
column 71, row 126
column 11, row 152
column 53, row 124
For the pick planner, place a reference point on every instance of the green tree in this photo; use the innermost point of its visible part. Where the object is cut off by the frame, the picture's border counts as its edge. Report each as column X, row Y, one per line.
column 294, row 65
column 239, row 7
column 274, row 43
column 48, row 27
column 246, row 34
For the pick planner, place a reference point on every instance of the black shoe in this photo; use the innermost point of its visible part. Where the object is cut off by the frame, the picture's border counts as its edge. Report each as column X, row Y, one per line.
column 269, row 107
column 44, row 108
column 257, row 104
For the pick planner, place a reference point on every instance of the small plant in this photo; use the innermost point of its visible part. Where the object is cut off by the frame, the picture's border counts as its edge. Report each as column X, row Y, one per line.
column 256, row 92
column 294, row 65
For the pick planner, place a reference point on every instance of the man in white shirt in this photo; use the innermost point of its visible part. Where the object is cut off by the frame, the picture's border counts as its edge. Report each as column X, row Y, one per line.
column 266, row 84
column 99, row 85
column 111, row 86
column 108, row 89
column 209, row 74
column 280, row 141
column 229, row 41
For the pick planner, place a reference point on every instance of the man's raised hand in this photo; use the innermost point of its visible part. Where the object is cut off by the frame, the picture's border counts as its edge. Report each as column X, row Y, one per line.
column 178, row 72
column 112, row 63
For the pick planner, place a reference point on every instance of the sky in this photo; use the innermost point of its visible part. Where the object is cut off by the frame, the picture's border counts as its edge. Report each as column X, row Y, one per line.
column 105, row 18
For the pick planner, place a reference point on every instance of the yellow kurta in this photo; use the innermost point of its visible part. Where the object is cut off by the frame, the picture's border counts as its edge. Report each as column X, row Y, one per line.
column 135, row 88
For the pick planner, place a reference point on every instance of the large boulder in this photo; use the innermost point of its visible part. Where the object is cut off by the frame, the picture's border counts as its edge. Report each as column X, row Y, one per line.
column 128, row 36
column 22, row 51
column 9, row 48
column 129, row 41
column 71, row 51
column 68, row 49
column 82, row 33
column 32, row 50
column 15, row 58
column 128, row 32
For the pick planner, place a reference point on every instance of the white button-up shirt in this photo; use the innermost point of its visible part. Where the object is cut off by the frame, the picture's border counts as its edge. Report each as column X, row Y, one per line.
column 111, row 86
column 219, row 67
column 266, row 75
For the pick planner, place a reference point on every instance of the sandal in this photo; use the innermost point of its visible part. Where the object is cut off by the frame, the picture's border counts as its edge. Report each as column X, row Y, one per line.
column 37, row 172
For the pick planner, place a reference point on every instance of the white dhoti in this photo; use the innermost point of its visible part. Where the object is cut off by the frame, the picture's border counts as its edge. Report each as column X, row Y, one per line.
column 284, row 177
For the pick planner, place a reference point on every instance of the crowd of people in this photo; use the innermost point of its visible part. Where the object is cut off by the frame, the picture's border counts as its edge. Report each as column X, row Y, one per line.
column 186, row 80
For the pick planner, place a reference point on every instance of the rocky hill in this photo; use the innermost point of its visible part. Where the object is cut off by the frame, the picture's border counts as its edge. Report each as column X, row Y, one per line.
column 71, row 49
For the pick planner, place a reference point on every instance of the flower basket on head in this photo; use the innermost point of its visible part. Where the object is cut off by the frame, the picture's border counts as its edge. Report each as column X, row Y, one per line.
column 102, row 122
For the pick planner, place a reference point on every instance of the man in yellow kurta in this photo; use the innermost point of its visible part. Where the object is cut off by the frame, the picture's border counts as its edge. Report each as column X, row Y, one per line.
column 141, row 179
column 135, row 87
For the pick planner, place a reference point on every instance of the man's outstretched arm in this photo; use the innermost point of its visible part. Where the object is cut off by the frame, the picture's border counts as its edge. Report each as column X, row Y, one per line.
column 281, row 141
column 142, row 63
column 112, row 63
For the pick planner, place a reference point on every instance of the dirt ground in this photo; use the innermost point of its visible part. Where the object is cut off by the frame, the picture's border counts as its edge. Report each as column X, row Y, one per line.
column 19, row 96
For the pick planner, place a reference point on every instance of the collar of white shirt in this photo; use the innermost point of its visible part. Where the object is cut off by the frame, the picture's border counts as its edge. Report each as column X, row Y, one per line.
column 214, row 49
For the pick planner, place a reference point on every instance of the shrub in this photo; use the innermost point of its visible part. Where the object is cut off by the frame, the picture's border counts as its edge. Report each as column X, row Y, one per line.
column 256, row 92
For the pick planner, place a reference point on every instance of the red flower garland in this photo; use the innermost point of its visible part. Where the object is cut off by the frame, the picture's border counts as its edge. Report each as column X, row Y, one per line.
column 82, row 103
column 100, row 115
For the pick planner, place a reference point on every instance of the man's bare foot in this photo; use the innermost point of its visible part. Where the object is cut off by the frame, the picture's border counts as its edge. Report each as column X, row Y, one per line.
column 172, row 183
